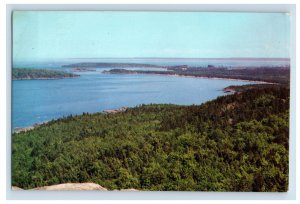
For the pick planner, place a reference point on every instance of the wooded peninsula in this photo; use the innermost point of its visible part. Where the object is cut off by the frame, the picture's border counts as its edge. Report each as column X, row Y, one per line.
column 29, row 74
column 266, row 74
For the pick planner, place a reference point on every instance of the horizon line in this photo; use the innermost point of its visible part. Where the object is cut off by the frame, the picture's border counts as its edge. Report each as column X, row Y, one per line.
column 191, row 58
column 284, row 59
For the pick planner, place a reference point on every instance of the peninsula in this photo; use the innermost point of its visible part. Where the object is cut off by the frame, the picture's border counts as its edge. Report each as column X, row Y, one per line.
column 30, row 74
column 279, row 75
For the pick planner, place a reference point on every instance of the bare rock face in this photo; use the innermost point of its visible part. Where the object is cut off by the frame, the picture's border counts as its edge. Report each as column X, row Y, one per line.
column 15, row 188
column 73, row 187
column 129, row 189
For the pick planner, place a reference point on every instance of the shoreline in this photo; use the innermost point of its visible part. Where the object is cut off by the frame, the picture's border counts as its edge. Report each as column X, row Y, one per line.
column 17, row 130
column 220, row 78
column 117, row 110
column 28, row 128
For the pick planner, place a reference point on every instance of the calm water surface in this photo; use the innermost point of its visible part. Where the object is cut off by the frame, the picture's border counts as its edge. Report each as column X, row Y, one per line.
column 36, row 101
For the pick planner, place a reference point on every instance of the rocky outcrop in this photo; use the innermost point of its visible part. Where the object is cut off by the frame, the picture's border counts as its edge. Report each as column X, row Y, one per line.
column 129, row 189
column 15, row 188
column 115, row 110
column 73, row 187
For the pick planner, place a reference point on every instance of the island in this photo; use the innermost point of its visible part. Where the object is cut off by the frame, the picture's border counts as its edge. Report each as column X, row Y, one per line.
column 31, row 74
column 110, row 65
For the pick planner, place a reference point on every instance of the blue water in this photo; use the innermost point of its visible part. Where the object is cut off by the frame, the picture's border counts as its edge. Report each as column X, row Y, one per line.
column 36, row 101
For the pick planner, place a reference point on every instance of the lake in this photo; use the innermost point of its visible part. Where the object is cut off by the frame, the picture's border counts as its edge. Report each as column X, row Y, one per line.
column 36, row 101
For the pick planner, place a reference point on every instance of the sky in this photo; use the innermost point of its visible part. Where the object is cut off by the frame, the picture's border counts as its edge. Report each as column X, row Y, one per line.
column 42, row 35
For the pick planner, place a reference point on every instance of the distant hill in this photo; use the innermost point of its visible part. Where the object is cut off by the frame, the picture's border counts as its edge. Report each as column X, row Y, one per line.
column 27, row 74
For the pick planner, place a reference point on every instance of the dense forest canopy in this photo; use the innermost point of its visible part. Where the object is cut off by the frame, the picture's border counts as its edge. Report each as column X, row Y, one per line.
column 27, row 73
column 238, row 142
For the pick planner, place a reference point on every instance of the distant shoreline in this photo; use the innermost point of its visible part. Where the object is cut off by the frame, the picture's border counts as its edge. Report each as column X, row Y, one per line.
column 218, row 78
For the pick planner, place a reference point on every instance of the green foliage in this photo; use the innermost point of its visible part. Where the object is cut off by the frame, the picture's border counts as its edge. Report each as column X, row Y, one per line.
column 234, row 143
column 26, row 73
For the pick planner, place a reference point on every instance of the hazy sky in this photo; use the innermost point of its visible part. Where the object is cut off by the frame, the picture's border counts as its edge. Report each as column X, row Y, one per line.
column 70, row 34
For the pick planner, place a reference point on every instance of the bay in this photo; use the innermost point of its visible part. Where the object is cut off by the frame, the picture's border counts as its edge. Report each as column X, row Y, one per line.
column 36, row 101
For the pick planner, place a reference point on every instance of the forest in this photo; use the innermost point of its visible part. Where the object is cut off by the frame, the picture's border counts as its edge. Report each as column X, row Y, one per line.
column 237, row 142
column 29, row 73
